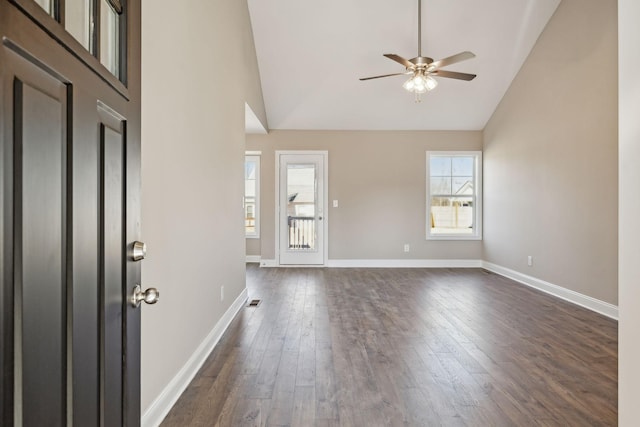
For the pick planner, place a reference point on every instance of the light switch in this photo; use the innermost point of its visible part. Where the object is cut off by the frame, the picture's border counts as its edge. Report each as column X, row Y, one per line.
column 335, row 203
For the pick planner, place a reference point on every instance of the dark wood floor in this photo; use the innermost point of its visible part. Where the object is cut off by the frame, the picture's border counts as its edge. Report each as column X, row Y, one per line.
column 404, row 347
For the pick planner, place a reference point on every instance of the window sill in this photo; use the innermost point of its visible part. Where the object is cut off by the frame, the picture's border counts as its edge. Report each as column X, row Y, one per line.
column 454, row 237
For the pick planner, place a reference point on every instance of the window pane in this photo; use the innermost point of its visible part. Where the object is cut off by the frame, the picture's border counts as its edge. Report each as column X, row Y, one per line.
column 47, row 5
column 301, row 206
column 110, row 38
column 452, row 215
column 440, row 166
column 77, row 20
column 250, row 215
column 250, row 188
column 461, row 185
column 252, row 196
column 441, row 185
column 462, row 166
column 250, row 170
column 250, row 179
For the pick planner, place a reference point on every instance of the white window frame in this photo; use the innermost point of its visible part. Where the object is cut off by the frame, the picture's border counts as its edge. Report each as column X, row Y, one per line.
column 477, row 220
column 253, row 156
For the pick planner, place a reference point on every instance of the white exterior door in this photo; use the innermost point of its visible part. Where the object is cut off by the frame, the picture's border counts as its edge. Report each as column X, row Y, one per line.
column 301, row 205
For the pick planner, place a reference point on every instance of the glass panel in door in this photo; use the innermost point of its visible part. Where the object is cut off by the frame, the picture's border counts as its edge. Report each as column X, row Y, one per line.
column 47, row 5
column 301, row 207
column 78, row 21
column 110, row 38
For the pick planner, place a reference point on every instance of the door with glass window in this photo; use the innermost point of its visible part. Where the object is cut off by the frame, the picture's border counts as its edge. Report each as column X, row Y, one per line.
column 302, row 197
column 69, row 212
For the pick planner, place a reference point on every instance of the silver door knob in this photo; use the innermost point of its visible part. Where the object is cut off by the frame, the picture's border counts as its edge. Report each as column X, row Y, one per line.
column 138, row 251
column 150, row 296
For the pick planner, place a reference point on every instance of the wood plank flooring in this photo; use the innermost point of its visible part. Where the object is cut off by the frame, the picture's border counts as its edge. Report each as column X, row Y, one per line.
column 404, row 347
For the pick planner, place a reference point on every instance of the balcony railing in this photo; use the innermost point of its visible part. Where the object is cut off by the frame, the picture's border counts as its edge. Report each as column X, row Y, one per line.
column 302, row 233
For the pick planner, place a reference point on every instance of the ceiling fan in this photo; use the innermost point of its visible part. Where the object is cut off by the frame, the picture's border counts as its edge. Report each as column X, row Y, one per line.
column 422, row 68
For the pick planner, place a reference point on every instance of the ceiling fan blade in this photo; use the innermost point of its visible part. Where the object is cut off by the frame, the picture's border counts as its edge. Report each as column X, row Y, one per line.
column 453, row 75
column 385, row 75
column 462, row 56
column 400, row 60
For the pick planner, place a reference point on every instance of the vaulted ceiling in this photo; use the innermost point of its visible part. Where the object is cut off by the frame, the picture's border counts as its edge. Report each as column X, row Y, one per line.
column 312, row 53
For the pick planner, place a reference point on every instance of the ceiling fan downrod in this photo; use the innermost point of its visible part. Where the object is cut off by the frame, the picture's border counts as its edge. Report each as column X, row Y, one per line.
column 419, row 28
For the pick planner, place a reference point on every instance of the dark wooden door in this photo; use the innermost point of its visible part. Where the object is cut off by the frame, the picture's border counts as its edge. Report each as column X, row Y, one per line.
column 69, row 186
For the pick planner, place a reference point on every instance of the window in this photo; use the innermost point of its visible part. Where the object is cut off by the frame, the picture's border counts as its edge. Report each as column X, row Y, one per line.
column 99, row 25
column 454, row 195
column 252, row 196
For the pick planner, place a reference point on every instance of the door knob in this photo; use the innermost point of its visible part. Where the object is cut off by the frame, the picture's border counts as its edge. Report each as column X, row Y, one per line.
column 319, row 218
column 150, row 296
column 138, row 251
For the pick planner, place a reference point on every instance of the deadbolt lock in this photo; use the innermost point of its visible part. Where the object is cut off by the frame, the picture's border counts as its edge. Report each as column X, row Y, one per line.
column 139, row 251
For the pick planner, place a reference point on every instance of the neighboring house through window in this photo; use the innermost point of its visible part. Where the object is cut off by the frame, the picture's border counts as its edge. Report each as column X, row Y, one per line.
column 252, row 195
column 454, row 195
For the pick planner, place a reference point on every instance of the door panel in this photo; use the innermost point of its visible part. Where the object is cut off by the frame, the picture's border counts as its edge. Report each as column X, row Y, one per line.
column 302, row 219
column 40, row 282
column 112, row 212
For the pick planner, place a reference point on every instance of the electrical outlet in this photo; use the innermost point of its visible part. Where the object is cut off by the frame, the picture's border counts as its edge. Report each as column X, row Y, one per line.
column 221, row 293
column 530, row 261
column 406, row 247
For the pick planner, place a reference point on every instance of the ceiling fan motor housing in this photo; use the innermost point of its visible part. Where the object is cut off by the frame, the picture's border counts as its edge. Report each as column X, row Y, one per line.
column 421, row 60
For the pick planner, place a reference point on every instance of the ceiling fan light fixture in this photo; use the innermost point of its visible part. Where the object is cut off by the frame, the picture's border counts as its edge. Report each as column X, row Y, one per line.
column 409, row 84
column 420, row 83
column 430, row 83
column 419, row 87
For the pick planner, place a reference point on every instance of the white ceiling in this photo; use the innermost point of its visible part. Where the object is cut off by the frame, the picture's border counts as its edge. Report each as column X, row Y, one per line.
column 311, row 54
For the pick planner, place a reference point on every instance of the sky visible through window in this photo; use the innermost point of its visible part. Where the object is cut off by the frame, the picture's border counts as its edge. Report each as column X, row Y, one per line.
column 451, row 175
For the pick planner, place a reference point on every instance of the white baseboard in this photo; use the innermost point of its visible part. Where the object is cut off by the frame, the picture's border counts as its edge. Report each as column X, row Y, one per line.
column 253, row 258
column 405, row 263
column 161, row 406
column 388, row 263
column 582, row 300
column 577, row 298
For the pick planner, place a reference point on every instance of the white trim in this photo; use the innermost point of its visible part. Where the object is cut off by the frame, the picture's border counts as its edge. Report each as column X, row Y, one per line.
column 252, row 153
column 405, row 263
column 477, row 197
column 577, row 298
column 161, row 406
column 268, row 263
column 325, row 234
column 386, row 263
column 253, row 258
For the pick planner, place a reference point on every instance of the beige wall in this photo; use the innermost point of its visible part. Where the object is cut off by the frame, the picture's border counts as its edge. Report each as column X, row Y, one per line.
column 192, row 156
column 379, row 180
column 629, row 369
column 254, row 247
column 550, row 156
